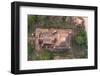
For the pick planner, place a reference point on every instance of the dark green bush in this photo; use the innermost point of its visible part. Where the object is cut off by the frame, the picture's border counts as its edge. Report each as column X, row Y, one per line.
column 31, row 22
column 30, row 51
column 81, row 38
column 45, row 55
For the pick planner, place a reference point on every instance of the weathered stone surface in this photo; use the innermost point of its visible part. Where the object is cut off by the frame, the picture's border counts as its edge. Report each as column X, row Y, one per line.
column 53, row 38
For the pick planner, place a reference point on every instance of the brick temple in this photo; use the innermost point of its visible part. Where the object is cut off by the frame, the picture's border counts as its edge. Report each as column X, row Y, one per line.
column 53, row 39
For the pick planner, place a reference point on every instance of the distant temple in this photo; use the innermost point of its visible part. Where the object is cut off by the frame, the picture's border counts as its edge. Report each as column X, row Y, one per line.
column 53, row 39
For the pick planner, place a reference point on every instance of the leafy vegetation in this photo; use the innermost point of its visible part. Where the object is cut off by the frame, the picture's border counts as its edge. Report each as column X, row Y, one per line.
column 45, row 55
column 31, row 23
column 47, row 22
column 30, row 51
column 81, row 38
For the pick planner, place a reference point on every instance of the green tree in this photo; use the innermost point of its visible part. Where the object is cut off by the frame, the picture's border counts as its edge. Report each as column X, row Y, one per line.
column 31, row 22
column 30, row 51
column 81, row 38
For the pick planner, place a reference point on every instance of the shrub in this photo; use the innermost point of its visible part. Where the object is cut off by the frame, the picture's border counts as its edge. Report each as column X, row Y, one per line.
column 81, row 38
column 31, row 22
column 45, row 55
column 30, row 51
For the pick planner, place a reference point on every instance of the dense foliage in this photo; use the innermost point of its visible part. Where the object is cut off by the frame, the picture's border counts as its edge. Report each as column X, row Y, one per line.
column 45, row 55
column 47, row 22
column 81, row 38
column 31, row 23
column 30, row 51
